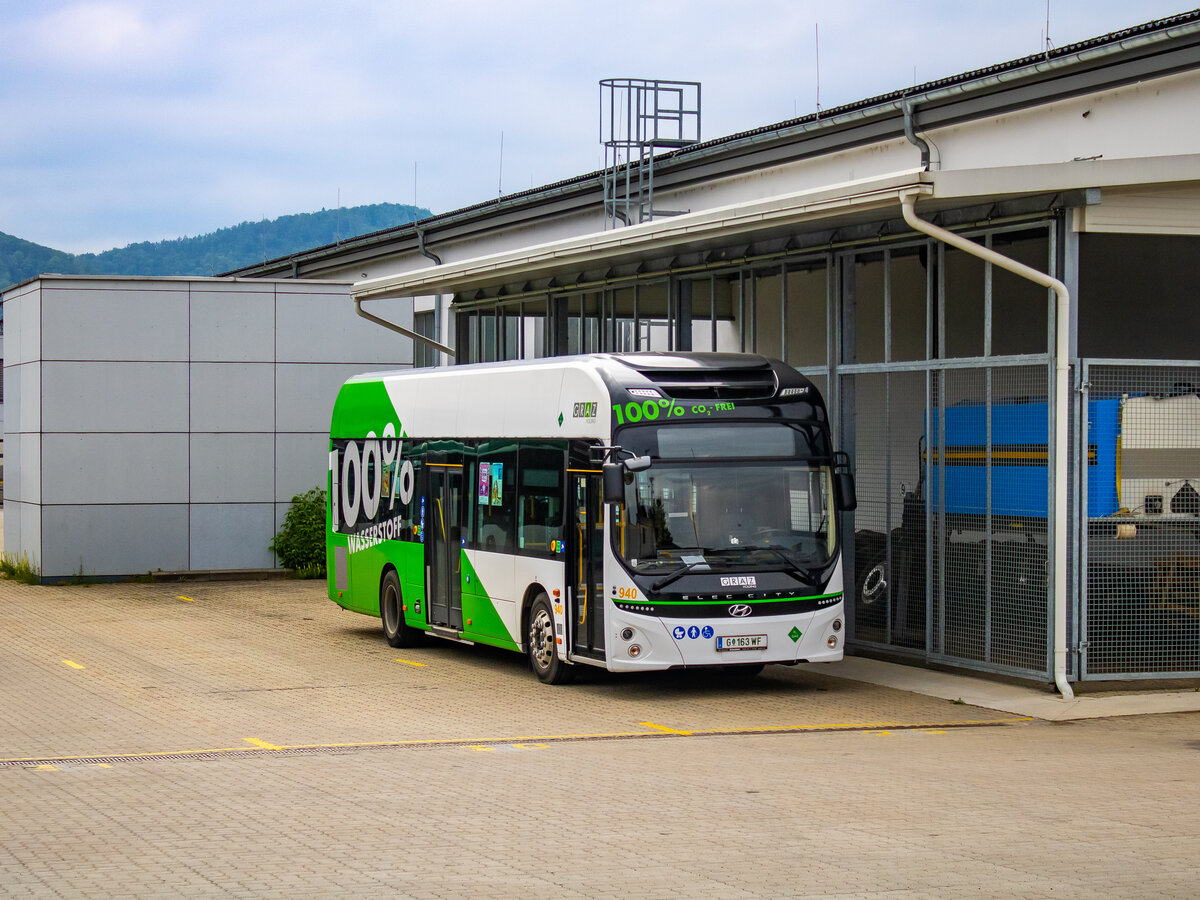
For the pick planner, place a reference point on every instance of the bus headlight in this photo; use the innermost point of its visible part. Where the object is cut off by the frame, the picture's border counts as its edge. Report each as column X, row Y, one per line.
column 635, row 650
column 837, row 624
column 831, row 641
column 627, row 633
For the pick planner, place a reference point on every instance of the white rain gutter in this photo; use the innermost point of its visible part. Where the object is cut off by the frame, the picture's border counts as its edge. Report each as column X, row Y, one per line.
column 776, row 212
column 1061, row 401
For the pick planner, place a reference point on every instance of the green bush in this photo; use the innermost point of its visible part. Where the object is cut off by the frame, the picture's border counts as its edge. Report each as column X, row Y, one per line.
column 300, row 543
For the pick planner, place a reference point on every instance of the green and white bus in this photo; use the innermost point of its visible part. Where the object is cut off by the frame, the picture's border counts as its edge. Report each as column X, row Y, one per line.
column 629, row 511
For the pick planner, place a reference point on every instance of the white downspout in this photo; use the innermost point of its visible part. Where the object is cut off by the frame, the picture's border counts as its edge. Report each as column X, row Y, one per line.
column 1061, row 401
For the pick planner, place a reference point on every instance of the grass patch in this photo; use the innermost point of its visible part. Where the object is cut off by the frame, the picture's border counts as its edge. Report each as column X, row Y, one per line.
column 312, row 570
column 20, row 568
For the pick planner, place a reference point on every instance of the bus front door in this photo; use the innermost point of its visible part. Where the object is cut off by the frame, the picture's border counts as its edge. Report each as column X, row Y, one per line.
column 443, row 545
column 586, row 557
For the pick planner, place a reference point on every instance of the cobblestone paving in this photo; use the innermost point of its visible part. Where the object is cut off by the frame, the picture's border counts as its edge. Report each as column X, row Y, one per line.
column 138, row 727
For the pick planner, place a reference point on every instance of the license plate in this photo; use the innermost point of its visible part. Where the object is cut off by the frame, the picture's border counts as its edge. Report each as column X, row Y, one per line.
column 742, row 642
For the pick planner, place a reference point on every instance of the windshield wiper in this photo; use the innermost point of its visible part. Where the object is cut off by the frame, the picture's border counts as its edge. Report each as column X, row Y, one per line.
column 677, row 574
column 688, row 567
column 811, row 576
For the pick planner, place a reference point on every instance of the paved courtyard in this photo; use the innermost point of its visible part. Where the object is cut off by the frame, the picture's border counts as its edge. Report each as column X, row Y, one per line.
column 251, row 739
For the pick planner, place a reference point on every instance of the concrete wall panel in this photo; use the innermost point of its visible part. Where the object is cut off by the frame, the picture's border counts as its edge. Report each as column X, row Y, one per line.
column 219, row 535
column 115, row 540
column 115, row 396
column 23, row 529
column 114, row 468
column 232, row 468
column 302, row 463
column 325, row 328
column 22, row 397
column 305, row 393
column 115, row 320
column 23, row 468
column 233, row 322
column 22, row 315
column 233, row 397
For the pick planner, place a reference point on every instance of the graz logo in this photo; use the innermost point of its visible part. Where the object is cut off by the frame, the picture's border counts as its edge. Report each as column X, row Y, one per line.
column 741, row 610
column 739, row 581
column 586, row 410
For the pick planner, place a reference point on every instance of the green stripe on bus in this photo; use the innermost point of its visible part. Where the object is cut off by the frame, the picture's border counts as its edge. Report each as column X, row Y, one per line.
column 737, row 599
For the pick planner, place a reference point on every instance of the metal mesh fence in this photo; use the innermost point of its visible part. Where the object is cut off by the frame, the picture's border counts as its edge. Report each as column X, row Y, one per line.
column 889, row 600
column 951, row 531
column 1141, row 544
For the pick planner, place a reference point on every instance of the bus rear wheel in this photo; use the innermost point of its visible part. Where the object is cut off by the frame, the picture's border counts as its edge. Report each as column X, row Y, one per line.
column 543, row 648
column 391, row 612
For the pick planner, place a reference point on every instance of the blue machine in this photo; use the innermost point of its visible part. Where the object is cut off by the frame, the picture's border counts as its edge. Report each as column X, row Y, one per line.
column 1019, row 463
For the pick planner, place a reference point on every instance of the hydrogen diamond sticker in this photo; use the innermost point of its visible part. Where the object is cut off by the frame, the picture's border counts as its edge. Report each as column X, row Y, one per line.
column 795, row 634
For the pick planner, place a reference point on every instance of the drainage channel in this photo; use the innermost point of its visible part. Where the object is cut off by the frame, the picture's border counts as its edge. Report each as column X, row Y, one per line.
column 335, row 749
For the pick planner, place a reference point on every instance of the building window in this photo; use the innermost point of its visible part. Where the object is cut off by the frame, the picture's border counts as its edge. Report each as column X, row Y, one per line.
column 424, row 355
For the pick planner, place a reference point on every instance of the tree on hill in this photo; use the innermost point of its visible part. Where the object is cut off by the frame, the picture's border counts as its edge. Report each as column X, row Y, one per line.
column 207, row 254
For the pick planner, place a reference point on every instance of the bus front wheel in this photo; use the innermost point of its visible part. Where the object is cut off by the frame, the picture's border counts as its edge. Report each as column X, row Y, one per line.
column 391, row 611
column 543, row 648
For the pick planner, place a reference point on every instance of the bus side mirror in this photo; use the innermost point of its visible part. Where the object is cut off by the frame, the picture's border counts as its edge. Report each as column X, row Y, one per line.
column 614, row 482
column 843, row 483
column 847, row 498
column 614, row 476
column 637, row 463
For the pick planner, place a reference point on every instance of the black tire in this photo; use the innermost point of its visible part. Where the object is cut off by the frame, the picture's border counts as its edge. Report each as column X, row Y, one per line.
column 392, row 613
column 542, row 646
column 873, row 585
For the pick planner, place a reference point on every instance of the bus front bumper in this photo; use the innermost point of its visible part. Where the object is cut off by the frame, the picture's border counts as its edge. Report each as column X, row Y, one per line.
column 646, row 643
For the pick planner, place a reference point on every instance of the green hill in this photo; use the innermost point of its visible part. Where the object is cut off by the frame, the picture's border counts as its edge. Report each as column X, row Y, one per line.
column 208, row 254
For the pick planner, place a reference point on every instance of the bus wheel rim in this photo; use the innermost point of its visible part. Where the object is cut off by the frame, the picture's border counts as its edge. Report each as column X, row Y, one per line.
column 541, row 634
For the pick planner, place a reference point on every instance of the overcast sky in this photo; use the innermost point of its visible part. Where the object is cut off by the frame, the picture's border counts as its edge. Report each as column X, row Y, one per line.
column 133, row 120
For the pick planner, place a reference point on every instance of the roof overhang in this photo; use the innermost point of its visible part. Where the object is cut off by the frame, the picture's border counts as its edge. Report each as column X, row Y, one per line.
column 832, row 207
column 836, row 204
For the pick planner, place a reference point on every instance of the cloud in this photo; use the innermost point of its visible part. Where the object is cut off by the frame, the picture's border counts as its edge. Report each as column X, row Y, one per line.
column 130, row 120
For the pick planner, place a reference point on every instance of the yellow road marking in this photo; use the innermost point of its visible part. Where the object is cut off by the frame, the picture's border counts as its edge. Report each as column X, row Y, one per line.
column 103, row 766
column 186, row 599
column 409, row 662
column 261, row 744
column 481, row 748
column 664, row 728
column 530, row 739
column 73, row 665
column 47, row 768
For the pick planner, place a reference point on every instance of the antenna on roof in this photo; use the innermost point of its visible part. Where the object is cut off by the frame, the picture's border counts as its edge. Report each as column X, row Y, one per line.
column 500, row 180
column 817, row 31
column 1049, row 44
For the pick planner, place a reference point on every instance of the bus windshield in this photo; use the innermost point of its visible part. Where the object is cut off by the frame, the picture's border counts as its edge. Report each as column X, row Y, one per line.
column 749, row 504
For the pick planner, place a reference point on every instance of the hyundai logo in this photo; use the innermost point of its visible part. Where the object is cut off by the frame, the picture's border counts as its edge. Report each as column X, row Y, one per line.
column 741, row 610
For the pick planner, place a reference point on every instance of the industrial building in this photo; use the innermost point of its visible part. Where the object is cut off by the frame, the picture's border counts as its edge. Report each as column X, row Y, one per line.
column 992, row 277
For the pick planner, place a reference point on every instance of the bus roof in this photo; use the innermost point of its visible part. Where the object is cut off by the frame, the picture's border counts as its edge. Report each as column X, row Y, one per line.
column 565, row 396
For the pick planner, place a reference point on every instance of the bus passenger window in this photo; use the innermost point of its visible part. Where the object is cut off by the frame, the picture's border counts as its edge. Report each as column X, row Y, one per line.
column 540, row 512
column 495, row 499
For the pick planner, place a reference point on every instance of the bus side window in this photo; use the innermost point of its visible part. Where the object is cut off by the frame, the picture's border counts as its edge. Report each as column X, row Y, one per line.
column 540, row 513
column 495, row 500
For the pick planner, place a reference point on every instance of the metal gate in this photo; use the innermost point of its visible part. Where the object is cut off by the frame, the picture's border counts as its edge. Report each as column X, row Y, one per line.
column 949, row 557
column 1140, row 538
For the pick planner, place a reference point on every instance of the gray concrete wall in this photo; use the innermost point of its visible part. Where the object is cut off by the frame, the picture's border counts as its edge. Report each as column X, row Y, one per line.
column 165, row 423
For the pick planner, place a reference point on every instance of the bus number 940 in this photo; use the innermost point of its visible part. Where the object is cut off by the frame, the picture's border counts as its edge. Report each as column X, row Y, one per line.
column 627, row 593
